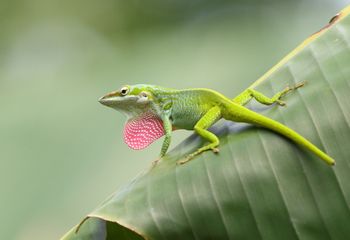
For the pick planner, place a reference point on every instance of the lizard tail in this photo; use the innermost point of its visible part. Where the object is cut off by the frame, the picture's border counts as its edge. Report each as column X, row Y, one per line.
column 246, row 115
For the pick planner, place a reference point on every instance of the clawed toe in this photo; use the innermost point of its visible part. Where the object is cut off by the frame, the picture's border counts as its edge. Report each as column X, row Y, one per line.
column 183, row 161
column 215, row 150
column 300, row 84
column 281, row 103
column 155, row 163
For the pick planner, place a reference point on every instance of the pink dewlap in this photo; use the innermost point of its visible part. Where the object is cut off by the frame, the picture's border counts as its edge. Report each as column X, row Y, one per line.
column 141, row 131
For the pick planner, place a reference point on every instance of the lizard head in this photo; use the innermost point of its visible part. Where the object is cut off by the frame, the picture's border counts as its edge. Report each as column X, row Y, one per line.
column 130, row 100
column 139, row 103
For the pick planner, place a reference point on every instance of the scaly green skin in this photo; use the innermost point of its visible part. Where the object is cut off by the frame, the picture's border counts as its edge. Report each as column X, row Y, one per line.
column 197, row 109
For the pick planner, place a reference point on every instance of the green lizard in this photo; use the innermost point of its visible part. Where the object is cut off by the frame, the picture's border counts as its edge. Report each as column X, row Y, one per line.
column 155, row 111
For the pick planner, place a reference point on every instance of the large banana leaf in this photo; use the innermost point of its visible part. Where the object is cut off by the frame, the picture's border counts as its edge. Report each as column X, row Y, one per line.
column 261, row 185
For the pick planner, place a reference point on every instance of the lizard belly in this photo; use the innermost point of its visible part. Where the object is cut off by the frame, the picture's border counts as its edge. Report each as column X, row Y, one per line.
column 185, row 120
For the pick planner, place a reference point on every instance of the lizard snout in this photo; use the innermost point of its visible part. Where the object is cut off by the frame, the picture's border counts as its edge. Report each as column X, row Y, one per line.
column 107, row 98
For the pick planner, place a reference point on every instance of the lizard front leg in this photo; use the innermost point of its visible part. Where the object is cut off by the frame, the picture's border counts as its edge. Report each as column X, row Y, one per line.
column 213, row 115
column 167, row 129
column 166, row 143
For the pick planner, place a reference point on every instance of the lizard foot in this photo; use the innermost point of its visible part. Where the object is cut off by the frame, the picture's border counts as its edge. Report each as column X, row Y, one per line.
column 281, row 103
column 191, row 156
column 187, row 159
column 215, row 150
column 155, row 162
column 299, row 84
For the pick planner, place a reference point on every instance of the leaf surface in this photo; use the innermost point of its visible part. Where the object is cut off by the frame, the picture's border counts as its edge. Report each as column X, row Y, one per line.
column 261, row 185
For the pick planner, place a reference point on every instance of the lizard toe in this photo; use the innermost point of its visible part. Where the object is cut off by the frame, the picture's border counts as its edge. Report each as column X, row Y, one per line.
column 215, row 150
column 281, row 103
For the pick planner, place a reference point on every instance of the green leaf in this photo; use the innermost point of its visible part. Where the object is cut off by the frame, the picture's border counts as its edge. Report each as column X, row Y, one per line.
column 260, row 185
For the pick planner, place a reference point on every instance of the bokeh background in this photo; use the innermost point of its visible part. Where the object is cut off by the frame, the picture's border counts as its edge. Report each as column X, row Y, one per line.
column 61, row 152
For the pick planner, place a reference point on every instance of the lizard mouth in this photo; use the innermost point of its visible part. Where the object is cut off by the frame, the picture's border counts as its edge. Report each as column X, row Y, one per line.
column 111, row 100
column 103, row 100
column 106, row 100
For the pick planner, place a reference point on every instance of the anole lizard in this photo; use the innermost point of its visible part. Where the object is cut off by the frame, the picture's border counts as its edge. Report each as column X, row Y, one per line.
column 155, row 111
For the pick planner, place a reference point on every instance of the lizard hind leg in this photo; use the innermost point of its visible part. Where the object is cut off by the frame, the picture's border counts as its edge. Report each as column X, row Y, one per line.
column 276, row 98
column 248, row 94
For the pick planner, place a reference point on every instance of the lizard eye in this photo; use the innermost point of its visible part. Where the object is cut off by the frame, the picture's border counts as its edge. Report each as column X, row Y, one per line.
column 124, row 91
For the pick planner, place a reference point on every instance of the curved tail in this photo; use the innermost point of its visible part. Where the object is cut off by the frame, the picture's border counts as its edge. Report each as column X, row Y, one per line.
column 246, row 115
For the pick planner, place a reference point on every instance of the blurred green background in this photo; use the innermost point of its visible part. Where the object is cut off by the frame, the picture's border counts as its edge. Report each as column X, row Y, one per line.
column 62, row 152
